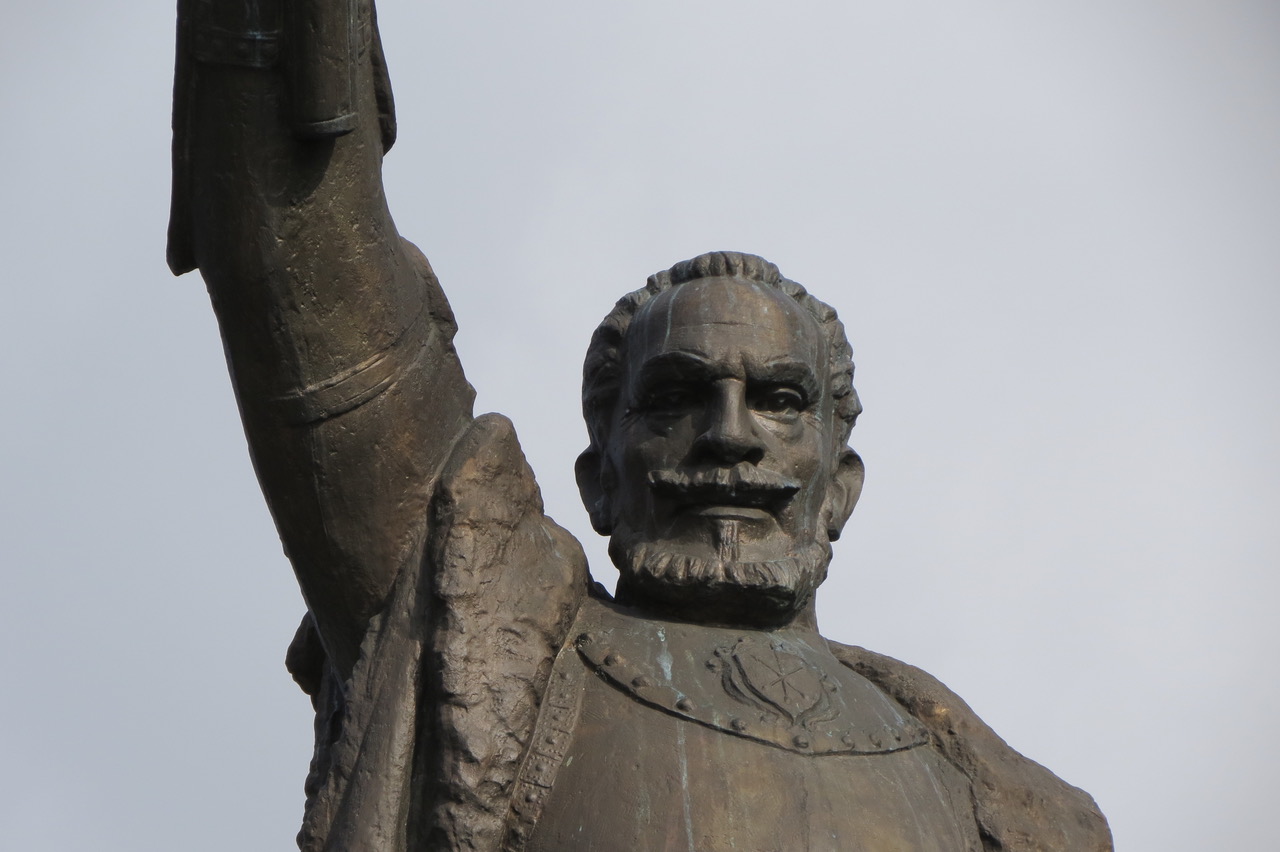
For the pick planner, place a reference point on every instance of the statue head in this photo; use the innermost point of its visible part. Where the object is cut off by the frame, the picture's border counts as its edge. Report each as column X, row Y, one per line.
column 719, row 400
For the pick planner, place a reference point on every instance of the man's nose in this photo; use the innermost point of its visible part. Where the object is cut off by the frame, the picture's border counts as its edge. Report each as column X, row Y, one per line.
column 730, row 434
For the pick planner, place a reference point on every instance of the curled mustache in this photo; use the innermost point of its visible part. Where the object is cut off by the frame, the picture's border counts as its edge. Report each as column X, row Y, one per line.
column 738, row 484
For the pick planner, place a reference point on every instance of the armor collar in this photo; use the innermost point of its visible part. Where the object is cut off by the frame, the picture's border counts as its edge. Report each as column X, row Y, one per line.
column 783, row 687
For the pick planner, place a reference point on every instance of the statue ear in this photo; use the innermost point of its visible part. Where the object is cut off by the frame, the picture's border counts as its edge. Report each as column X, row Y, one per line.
column 843, row 492
column 595, row 497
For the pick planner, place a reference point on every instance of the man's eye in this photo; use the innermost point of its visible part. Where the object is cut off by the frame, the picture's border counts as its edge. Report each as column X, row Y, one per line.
column 779, row 401
column 670, row 400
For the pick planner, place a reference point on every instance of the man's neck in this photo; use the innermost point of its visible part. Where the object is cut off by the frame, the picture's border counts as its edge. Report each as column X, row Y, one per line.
column 803, row 620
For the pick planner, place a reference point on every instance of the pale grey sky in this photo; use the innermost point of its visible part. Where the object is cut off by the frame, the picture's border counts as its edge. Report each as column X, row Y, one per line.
column 1053, row 231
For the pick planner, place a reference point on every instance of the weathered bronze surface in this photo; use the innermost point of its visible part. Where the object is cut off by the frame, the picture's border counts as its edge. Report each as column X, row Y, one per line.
column 474, row 689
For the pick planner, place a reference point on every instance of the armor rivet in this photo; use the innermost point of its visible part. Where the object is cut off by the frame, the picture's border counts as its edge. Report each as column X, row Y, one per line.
column 530, row 797
column 610, row 659
column 738, row 725
column 640, row 681
column 875, row 740
column 711, row 664
column 684, row 704
column 847, row 739
column 801, row 741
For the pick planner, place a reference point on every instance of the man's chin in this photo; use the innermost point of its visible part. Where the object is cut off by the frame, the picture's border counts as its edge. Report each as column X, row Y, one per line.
column 767, row 593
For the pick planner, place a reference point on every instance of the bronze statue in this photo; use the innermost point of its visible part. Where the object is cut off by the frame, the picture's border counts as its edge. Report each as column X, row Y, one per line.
column 474, row 689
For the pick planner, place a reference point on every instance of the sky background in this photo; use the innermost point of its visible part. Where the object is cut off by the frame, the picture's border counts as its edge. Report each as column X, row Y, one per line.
column 1052, row 230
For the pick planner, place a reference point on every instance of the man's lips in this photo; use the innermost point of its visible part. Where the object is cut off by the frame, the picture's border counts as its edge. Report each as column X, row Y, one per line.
column 725, row 511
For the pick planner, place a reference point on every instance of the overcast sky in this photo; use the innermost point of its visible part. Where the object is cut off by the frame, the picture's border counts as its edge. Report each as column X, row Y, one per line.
column 1052, row 230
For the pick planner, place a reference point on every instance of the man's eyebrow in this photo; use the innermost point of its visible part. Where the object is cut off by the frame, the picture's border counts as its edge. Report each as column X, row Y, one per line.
column 684, row 365
column 788, row 371
column 674, row 365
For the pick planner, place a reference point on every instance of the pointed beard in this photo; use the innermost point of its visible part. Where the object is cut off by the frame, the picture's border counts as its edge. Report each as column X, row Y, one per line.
column 764, row 590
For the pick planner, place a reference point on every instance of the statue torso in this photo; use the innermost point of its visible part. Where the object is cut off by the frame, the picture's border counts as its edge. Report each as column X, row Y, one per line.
column 703, row 738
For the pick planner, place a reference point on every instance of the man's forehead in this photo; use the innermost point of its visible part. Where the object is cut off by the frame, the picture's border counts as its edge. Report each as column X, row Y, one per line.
column 729, row 320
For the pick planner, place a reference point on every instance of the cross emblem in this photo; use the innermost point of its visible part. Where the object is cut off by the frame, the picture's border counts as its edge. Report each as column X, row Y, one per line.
column 783, row 680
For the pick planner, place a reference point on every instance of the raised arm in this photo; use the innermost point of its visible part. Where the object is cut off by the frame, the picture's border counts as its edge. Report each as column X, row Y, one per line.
column 337, row 336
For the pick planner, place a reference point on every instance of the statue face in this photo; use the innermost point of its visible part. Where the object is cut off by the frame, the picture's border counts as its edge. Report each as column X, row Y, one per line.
column 721, row 451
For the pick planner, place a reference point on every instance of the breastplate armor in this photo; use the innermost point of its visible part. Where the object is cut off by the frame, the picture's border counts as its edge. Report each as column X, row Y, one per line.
column 702, row 738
